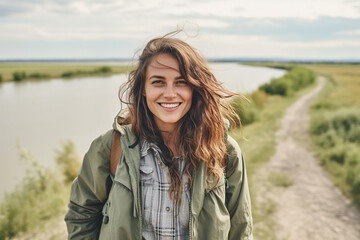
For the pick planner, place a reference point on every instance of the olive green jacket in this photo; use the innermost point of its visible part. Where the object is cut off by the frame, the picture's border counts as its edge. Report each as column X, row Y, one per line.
column 109, row 208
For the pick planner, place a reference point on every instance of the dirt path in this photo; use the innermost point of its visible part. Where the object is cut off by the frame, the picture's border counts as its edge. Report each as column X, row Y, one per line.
column 312, row 207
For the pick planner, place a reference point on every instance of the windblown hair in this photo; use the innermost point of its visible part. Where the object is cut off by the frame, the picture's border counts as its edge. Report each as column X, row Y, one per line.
column 201, row 129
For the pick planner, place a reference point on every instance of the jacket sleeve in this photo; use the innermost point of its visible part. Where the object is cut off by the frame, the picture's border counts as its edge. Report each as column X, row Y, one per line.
column 89, row 191
column 237, row 193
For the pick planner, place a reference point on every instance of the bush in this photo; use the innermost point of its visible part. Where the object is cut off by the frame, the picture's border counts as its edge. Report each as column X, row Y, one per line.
column 338, row 133
column 259, row 98
column 104, row 69
column 39, row 198
column 19, row 76
column 336, row 154
column 100, row 70
column 68, row 160
column 1, row 78
column 39, row 75
column 295, row 79
column 279, row 86
column 323, row 105
column 247, row 111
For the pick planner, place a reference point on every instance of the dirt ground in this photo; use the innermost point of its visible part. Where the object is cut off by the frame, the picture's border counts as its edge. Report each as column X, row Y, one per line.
column 312, row 207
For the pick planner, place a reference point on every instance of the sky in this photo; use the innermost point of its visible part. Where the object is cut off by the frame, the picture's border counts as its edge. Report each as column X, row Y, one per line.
column 94, row 29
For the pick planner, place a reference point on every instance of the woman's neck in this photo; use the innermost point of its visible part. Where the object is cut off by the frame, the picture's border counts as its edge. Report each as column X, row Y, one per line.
column 170, row 140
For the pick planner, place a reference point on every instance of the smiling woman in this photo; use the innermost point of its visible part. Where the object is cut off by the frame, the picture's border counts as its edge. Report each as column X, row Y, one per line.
column 168, row 95
column 177, row 174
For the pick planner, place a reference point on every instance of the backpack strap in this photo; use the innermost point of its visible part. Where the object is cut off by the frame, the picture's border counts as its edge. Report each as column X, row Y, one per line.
column 115, row 152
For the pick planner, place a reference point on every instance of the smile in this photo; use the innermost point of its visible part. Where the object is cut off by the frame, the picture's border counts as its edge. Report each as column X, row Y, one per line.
column 169, row 105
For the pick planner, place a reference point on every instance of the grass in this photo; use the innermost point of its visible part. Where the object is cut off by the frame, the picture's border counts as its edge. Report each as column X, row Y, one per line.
column 56, row 70
column 335, row 126
column 280, row 179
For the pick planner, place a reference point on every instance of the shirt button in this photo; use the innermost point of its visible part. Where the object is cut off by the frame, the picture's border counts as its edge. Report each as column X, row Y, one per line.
column 167, row 209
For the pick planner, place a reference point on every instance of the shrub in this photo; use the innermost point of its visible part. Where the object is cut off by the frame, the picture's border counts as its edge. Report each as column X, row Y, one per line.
column 336, row 154
column 320, row 124
column 1, row 78
column 323, row 105
column 279, row 86
column 247, row 111
column 295, row 79
column 104, row 69
column 338, row 133
column 19, row 76
column 68, row 160
column 39, row 198
column 259, row 98
column 39, row 75
column 67, row 74
column 100, row 70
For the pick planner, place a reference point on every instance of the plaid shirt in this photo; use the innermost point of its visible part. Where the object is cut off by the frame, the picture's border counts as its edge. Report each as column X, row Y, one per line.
column 162, row 218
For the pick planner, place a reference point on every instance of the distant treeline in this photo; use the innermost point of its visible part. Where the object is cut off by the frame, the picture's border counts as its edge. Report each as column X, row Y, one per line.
column 82, row 72
column 22, row 75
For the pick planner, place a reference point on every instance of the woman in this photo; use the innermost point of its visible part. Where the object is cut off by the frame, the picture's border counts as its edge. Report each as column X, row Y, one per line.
column 180, row 176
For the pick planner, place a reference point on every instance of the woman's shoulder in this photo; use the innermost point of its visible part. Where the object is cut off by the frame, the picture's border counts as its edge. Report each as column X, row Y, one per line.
column 232, row 145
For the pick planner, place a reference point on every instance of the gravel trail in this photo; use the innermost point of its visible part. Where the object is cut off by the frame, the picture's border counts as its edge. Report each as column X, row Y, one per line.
column 312, row 207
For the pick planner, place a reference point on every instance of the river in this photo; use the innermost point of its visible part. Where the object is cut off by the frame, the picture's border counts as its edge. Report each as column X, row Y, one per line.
column 39, row 115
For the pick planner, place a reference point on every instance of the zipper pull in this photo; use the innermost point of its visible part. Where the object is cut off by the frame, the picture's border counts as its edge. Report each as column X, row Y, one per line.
column 105, row 212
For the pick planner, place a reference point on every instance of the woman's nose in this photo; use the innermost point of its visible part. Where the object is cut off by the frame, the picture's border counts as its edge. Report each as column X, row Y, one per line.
column 170, row 92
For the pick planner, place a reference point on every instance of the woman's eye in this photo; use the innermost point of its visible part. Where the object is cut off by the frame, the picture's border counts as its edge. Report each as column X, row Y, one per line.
column 182, row 82
column 157, row 82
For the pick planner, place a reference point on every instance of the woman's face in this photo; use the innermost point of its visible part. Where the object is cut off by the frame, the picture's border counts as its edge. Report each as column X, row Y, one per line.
column 168, row 95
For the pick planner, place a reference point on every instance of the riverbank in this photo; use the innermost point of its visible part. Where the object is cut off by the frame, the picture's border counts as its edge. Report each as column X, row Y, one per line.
column 41, row 71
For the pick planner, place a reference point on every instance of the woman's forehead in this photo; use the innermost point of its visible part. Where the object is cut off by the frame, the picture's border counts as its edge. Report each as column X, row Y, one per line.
column 164, row 61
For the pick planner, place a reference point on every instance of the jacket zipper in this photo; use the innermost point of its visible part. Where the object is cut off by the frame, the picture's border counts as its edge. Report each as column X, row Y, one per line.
column 105, row 213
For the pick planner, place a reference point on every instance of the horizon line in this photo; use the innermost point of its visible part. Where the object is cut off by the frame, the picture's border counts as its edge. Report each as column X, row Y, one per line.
column 220, row 59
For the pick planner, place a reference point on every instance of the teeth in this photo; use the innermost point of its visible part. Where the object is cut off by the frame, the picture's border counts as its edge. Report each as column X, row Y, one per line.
column 172, row 105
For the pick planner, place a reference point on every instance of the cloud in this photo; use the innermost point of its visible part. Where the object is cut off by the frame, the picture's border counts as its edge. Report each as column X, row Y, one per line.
column 227, row 28
column 290, row 29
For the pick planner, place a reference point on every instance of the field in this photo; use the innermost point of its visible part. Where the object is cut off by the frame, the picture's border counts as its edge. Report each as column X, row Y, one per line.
column 56, row 70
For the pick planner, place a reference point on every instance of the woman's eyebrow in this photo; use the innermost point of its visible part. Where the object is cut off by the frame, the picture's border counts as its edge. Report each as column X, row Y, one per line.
column 157, row 76
column 162, row 77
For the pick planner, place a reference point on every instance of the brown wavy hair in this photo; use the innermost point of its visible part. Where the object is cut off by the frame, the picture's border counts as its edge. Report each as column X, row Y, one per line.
column 201, row 130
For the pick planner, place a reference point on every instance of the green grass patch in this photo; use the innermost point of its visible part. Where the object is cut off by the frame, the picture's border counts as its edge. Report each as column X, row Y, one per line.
column 280, row 179
column 335, row 126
